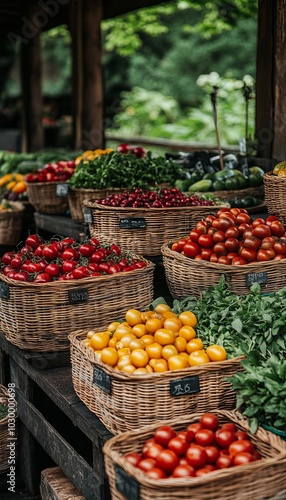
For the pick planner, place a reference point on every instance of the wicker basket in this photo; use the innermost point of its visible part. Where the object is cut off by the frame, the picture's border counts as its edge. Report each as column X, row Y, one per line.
column 275, row 195
column 259, row 480
column 47, row 197
column 40, row 316
column 186, row 276
column 11, row 223
column 130, row 401
column 257, row 192
column 6, row 437
column 76, row 198
column 143, row 230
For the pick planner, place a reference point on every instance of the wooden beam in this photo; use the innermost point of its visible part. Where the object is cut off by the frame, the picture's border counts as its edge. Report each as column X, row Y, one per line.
column 77, row 71
column 279, row 86
column 31, row 82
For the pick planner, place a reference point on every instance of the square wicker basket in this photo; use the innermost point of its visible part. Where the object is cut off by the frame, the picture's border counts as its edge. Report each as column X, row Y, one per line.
column 76, row 197
column 40, row 316
column 142, row 230
column 11, row 224
column 47, row 197
column 275, row 195
column 124, row 401
column 259, row 480
column 186, row 276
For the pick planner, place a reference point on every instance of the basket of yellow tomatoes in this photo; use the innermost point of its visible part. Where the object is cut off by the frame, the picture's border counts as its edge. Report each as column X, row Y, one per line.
column 275, row 191
column 148, row 366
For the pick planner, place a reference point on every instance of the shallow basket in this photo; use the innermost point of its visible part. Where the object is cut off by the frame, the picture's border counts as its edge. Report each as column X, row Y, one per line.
column 76, row 196
column 40, row 316
column 11, row 223
column 6, row 438
column 125, row 401
column 259, row 480
column 142, row 230
column 48, row 197
column 186, row 276
column 275, row 195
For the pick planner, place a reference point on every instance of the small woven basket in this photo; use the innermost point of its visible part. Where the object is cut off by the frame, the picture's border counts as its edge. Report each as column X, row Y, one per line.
column 131, row 401
column 11, row 223
column 275, row 195
column 257, row 192
column 6, row 437
column 47, row 198
column 76, row 196
column 186, row 276
column 40, row 316
column 259, row 480
column 142, row 230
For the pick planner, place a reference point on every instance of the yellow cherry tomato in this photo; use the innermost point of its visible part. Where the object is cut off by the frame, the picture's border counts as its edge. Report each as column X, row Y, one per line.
column 216, row 352
column 188, row 318
column 153, row 324
column 180, row 344
column 136, row 344
column 99, row 340
column 187, row 332
column 109, row 355
column 173, row 324
column 154, row 350
column 160, row 365
column 164, row 336
column 122, row 329
column 125, row 340
column 123, row 361
column 168, row 351
column 112, row 326
column 133, row 317
column 177, row 362
column 128, row 369
column 140, row 371
column 194, row 345
column 124, row 351
column 139, row 330
column 147, row 339
column 199, row 357
column 139, row 358
column 161, row 308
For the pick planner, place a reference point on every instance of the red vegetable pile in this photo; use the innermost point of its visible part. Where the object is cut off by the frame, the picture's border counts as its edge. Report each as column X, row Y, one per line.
column 203, row 447
column 137, row 150
column 59, row 171
column 42, row 261
column 165, row 198
column 230, row 237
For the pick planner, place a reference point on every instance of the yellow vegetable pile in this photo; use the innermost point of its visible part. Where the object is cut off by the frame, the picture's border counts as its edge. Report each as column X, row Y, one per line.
column 152, row 341
column 13, row 182
column 280, row 169
column 90, row 155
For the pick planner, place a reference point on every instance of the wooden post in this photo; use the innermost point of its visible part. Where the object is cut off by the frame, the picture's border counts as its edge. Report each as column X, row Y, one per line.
column 32, row 128
column 279, row 82
column 88, row 92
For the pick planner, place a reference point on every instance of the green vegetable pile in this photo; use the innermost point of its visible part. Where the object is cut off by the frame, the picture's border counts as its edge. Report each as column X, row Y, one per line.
column 119, row 170
column 253, row 325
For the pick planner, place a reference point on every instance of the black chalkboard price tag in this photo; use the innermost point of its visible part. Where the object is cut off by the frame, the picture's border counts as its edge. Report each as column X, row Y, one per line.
column 78, row 295
column 101, row 379
column 186, row 385
column 132, row 223
column 260, row 278
column 62, row 189
column 4, row 290
column 126, row 485
column 87, row 215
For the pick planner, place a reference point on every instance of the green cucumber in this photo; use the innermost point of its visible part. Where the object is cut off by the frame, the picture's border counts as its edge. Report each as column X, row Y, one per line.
column 201, row 186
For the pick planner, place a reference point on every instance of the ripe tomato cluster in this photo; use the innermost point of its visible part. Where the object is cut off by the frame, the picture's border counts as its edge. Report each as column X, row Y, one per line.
column 42, row 261
column 137, row 150
column 231, row 237
column 59, row 171
column 153, row 341
column 204, row 446
column 168, row 197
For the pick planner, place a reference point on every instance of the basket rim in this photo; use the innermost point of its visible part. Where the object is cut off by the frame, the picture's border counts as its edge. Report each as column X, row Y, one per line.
column 165, row 250
column 75, row 340
column 234, row 416
column 91, row 204
column 271, row 175
column 78, row 282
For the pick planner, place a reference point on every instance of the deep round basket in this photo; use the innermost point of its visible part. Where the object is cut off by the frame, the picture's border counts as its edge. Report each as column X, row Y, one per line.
column 275, row 195
column 47, row 198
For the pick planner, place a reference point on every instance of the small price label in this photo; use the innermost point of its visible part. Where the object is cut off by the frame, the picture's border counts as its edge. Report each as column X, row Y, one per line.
column 126, row 485
column 62, row 190
column 4, row 290
column 87, row 215
column 101, row 379
column 132, row 223
column 78, row 295
column 183, row 386
column 260, row 278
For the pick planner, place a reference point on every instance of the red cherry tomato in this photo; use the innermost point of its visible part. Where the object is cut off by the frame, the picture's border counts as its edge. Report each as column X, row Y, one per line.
column 205, row 241
column 230, row 426
column 153, row 451
column 133, row 457
column 205, row 437
column 196, row 456
column 248, row 254
column 224, row 437
column 220, row 249
column 251, row 242
column 261, row 231
column 240, row 445
column 146, row 464
column 156, row 473
column 232, row 232
column 243, row 218
column 178, row 445
column 164, row 434
column 184, row 471
column 223, row 462
column 205, row 470
column 191, row 249
column 212, row 453
column 209, row 421
column 238, row 261
column 242, row 458
column 167, row 460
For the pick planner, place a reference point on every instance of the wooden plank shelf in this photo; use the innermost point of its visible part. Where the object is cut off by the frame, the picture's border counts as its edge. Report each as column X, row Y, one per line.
column 52, row 416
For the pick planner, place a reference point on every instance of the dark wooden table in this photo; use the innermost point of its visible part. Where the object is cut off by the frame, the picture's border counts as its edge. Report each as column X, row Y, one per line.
column 52, row 418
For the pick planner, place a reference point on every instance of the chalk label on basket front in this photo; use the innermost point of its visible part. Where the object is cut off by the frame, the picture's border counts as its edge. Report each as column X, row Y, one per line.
column 77, row 296
column 256, row 278
column 132, row 223
column 87, row 215
column 183, row 386
column 62, row 189
column 101, row 379
column 4, row 290
column 126, row 485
